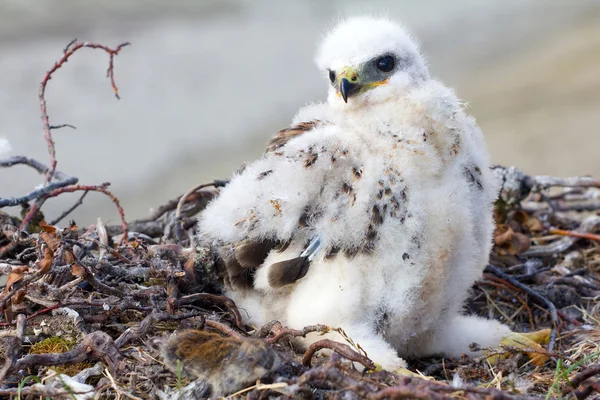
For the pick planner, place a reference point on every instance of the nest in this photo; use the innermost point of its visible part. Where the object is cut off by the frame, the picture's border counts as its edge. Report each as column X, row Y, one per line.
column 85, row 310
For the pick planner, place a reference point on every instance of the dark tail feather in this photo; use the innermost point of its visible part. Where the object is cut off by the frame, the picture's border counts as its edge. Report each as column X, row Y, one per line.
column 287, row 272
column 238, row 276
column 251, row 254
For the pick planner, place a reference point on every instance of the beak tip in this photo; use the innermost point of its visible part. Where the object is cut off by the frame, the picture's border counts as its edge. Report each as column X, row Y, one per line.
column 346, row 89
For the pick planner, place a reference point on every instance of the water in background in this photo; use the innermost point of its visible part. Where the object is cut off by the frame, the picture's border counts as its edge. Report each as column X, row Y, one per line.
column 206, row 83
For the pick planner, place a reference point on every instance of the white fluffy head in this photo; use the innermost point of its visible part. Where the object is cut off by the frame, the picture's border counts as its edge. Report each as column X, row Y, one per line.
column 356, row 44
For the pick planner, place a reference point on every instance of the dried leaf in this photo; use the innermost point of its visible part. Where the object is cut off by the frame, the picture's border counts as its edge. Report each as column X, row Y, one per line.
column 78, row 270
column 47, row 228
column 503, row 234
column 534, row 225
column 8, row 313
column 19, row 296
column 51, row 240
column 520, row 243
column 69, row 256
column 45, row 263
column 520, row 216
column 188, row 267
column 510, row 242
column 15, row 276
column 529, row 342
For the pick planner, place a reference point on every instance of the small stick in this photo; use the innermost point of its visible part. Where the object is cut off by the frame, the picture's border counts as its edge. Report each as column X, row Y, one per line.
column 142, row 328
column 74, row 188
column 223, row 328
column 589, row 224
column 285, row 331
column 182, row 200
column 14, row 348
column 68, row 52
column 70, row 209
column 95, row 346
column 81, row 271
column 223, row 300
column 582, row 376
column 574, row 181
column 562, row 232
column 340, row 348
column 34, row 194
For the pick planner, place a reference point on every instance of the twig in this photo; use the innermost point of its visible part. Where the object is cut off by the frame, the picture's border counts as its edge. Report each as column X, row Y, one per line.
column 408, row 392
column 580, row 377
column 412, row 387
column 295, row 332
column 43, row 191
column 340, row 348
column 69, row 51
column 13, row 349
column 589, row 224
column 38, row 166
column 70, row 209
column 223, row 328
column 534, row 294
column 95, row 346
column 182, row 200
column 172, row 205
column 116, row 388
column 575, row 234
column 213, row 298
column 86, row 188
column 574, row 181
column 81, row 271
column 41, row 391
column 142, row 328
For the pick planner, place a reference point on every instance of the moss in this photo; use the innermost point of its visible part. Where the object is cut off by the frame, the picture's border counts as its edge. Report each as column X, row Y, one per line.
column 59, row 345
column 52, row 345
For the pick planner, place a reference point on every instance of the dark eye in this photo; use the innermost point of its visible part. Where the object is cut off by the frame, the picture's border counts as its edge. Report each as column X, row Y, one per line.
column 385, row 63
column 332, row 76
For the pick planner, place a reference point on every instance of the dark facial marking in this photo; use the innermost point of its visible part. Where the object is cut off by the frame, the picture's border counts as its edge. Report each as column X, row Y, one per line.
column 332, row 76
column 264, row 174
column 471, row 179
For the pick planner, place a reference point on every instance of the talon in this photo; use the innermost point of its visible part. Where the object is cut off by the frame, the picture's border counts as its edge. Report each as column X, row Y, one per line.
column 525, row 341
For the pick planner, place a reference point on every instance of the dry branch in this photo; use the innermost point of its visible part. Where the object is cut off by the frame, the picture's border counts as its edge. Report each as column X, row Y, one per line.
column 340, row 348
column 95, row 346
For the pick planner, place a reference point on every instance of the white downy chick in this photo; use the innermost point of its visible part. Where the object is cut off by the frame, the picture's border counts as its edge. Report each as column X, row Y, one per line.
column 372, row 212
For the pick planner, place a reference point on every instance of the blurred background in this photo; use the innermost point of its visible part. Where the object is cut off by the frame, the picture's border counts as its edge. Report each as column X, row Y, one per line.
column 206, row 83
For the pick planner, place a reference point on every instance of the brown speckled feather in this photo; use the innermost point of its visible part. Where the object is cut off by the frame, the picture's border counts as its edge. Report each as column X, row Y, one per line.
column 284, row 135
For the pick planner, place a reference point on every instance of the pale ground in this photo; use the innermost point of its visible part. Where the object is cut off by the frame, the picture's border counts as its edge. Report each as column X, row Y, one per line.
column 206, row 83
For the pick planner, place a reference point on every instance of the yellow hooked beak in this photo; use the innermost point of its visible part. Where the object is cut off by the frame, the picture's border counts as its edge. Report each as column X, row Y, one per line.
column 350, row 83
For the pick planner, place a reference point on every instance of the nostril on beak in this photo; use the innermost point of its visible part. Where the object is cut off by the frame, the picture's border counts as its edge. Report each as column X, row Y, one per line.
column 354, row 78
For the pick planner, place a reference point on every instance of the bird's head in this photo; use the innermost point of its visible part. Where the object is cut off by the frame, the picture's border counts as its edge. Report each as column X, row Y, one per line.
column 369, row 60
